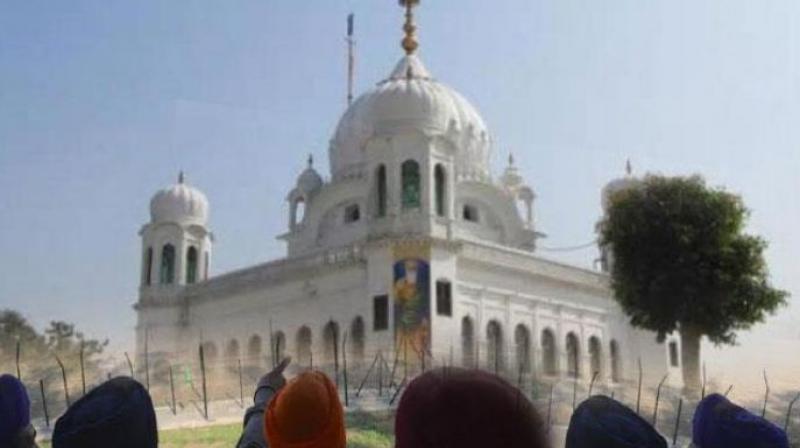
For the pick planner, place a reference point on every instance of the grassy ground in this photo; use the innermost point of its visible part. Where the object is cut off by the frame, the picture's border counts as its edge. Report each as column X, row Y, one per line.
column 363, row 431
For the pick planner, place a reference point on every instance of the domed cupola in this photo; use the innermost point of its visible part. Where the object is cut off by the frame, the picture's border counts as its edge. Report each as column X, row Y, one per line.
column 309, row 180
column 617, row 185
column 411, row 99
column 179, row 204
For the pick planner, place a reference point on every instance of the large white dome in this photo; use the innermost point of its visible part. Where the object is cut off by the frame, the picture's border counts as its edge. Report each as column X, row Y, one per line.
column 410, row 99
column 179, row 204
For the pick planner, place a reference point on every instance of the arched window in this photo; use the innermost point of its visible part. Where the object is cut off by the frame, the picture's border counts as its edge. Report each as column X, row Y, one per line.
column 614, row 350
column 299, row 211
column 380, row 179
column 191, row 265
column 356, row 341
column 412, row 191
column 522, row 339
column 470, row 213
column 467, row 342
column 254, row 350
column 205, row 267
column 595, row 355
column 494, row 345
column 303, row 346
column 280, row 346
column 232, row 350
column 167, row 273
column 549, row 353
column 573, row 355
column 330, row 340
column 148, row 266
column 439, row 181
column 209, row 353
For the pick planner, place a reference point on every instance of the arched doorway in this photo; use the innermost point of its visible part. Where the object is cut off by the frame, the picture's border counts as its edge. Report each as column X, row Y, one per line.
column 330, row 341
column 549, row 364
column 595, row 355
column 303, row 346
column 254, row 351
column 280, row 346
column 494, row 346
column 467, row 342
column 615, row 362
column 356, row 342
column 522, row 341
column 573, row 355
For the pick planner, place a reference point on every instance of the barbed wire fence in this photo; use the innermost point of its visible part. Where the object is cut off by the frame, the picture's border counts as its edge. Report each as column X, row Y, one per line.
column 373, row 378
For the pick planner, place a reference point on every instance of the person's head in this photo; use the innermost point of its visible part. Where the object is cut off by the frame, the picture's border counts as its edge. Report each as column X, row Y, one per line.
column 458, row 408
column 719, row 423
column 117, row 413
column 15, row 414
column 600, row 422
column 306, row 413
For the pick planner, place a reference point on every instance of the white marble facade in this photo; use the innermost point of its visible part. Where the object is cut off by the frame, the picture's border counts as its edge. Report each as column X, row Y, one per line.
column 508, row 306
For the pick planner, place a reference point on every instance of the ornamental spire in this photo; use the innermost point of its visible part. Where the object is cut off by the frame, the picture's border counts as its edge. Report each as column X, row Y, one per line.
column 409, row 42
column 181, row 177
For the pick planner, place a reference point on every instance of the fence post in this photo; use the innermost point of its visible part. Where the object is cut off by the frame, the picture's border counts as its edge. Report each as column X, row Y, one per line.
column 64, row 379
column 766, row 394
column 550, row 407
column 83, row 371
column 658, row 397
column 344, row 368
column 335, row 354
column 203, row 377
column 172, row 391
column 19, row 349
column 639, row 393
column 147, row 358
column 44, row 404
column 130, row 364
column 789, row 414
column 677, row 422
column 574, row 392
column 591, row 383
column 241, row 386
column 703, row 391
column 380, row 373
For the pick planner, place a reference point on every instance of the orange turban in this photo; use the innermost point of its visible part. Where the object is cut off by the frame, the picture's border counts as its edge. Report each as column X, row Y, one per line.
column 306, row 413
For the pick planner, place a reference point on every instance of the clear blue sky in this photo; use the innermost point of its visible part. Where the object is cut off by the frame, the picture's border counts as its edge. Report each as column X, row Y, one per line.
column 102, row 102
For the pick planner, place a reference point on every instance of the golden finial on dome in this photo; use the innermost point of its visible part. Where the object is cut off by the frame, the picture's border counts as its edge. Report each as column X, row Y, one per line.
column 409, row 42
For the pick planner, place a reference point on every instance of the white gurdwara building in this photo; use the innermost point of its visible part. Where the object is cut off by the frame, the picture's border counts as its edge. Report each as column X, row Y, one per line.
column 411, row 247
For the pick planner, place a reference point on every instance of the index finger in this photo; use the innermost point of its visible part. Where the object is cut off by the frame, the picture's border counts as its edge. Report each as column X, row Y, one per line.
column 283, row 364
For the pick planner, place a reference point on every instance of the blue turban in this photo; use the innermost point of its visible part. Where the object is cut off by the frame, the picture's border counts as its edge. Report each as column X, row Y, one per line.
column 15, row 409
column 601, row 422
column 718, row 423
column 118, row 413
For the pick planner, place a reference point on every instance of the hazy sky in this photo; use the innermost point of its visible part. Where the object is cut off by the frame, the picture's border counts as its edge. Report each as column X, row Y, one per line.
column 102, row 102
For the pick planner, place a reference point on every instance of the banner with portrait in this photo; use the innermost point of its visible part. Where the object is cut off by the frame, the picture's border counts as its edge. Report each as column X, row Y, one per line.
column 411, row 295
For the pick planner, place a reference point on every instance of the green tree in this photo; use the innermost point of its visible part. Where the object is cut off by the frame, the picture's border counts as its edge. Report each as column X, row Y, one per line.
column 681, row 260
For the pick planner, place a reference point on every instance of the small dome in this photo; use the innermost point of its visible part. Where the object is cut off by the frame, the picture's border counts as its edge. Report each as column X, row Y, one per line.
column 309, row 180
column 179, row 204
column 619, row 184
column 411, row 99
column 511, row 180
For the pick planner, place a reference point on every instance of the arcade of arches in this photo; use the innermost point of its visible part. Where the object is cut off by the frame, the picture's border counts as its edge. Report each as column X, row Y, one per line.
column 548, row 354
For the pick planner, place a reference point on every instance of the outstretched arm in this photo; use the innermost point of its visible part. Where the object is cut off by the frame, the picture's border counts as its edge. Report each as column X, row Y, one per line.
column 253, row 433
